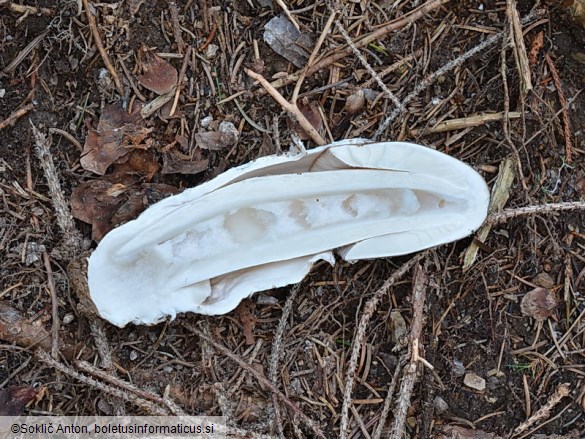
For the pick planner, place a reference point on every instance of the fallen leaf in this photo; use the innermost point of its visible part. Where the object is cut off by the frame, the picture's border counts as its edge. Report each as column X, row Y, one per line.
column 539, row 304
column 117, row 130
column 312, row 114
column 158, row 75
column 284, row 38
column 176, row 163
column 14, row 399
column 218, row 140
column 138, row 201
column 244, row 315
column 137, row 162
column 16, row 328
column 95, row 203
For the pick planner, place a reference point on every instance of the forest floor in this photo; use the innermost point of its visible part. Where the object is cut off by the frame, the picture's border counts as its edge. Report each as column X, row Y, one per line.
column 417, row 344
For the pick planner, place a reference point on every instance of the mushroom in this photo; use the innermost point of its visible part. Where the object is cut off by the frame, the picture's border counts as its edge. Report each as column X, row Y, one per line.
column 264, row 224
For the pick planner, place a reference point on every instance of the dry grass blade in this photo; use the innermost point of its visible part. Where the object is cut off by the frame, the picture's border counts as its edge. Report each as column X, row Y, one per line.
column 11, row 120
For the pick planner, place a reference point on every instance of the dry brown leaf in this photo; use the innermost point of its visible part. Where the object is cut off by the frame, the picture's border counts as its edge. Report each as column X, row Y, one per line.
column 175, row 163
column 95, row 202
column 539, row 304
column 14, row 399
column 158, row 75
column 15, row 328
column 138, row 162
column 138, row 201
column 311, row 112
column 215, row 140
column 246, row 317
column 116, row 131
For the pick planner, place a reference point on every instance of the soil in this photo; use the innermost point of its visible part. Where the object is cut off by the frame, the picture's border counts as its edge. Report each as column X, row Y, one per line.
column 473, row 320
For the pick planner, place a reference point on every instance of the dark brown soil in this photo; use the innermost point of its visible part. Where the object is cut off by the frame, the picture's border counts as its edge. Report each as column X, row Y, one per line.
column 473, row 319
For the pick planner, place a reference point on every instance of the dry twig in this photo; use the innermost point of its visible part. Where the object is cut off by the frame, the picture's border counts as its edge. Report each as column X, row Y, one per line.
column 100, row 47
column 261, row 378
column 410, row 370
column 505, row 215
column 292, row 109
column 11, row 120
column 544, row 412
column 360, row 336
column 520, row 55
column 73, row 239
column 563, row 101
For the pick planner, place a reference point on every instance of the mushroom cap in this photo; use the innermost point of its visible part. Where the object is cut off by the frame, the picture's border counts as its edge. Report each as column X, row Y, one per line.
column 264, row 224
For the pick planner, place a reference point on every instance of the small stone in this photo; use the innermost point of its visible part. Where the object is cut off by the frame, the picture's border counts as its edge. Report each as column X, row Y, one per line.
column 539, row 304
column 458, row 368
column 474, row 381
column 440, row 405
column 230, row 130
column 211, row 51
column 133, row 356
column 68, row 318
column 206, row 121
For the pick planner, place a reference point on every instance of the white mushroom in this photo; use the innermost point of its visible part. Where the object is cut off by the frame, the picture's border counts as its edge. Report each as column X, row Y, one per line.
column 263, row 225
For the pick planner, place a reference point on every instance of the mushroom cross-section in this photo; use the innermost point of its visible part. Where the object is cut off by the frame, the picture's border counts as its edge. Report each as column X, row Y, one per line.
column 263, row 225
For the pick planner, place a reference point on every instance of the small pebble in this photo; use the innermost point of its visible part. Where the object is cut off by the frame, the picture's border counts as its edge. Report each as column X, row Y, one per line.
column 206, row 121
column 133, row 356
column 68, row 318
column 440, row 405
column 474, row 381
column 458, row 368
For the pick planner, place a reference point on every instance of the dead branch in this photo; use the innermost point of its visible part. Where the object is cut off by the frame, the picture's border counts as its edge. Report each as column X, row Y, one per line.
column 544, row 412
column 292, row 109
column 505, row 215
column 410, row 370
column 260, row 377
column 360, row 335
column 73, row 240
column 11, row 120
column 563, row 101
column 100, row 47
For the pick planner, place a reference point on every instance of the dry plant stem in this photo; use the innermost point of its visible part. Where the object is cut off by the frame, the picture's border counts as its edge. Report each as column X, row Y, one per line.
column 544, row 412
column 466, row 122
column 505, row 215
column 86, row 367
column 314, row 53
column 148, row 406
column 520, row 56
column 176, row 26
column 277, row 351
column 367, row 65
column 387, row 402
column 291, row 17
column 180, row 80
column 423, row 85
column 100, row 47
column 290, row 108
column 54, row 307
column 21, row 9
column 563, row 101
column 260, row 377
column 360, row 335
column 24, row 52
column 11, row 120
column 410, row 370
column 73, row 239
column 404, row 20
